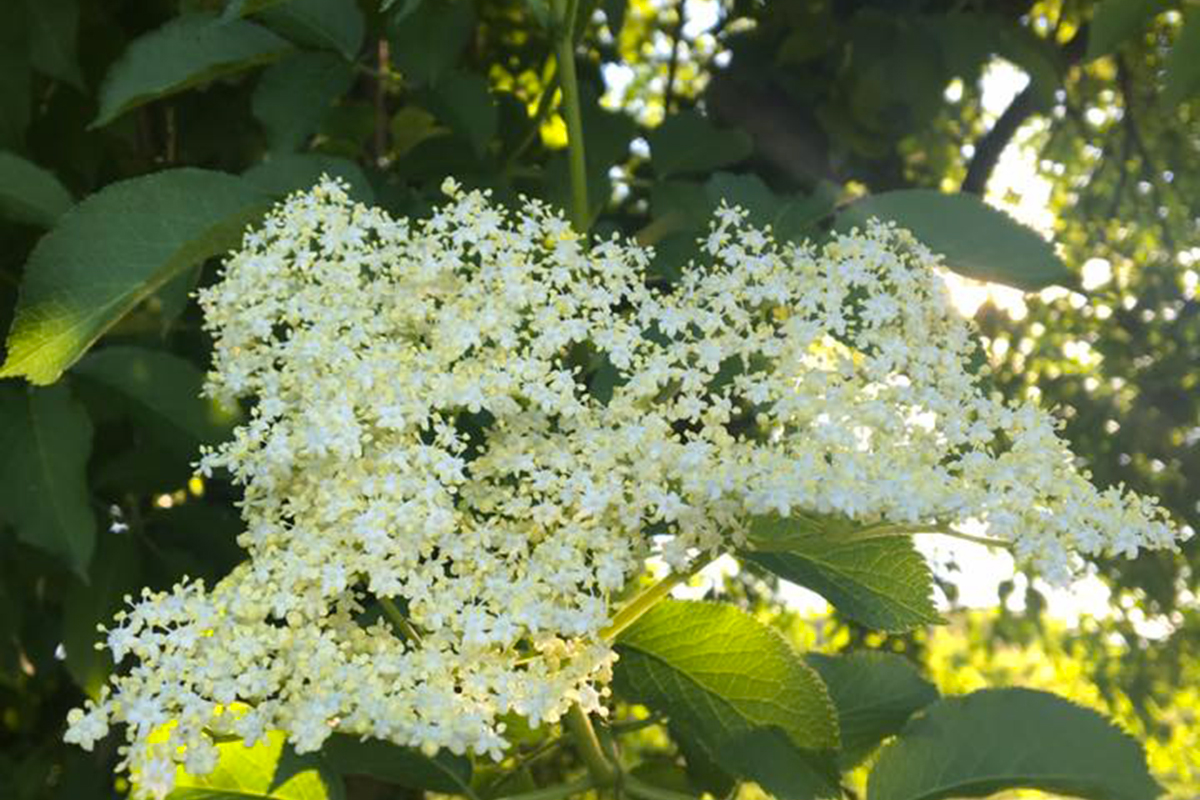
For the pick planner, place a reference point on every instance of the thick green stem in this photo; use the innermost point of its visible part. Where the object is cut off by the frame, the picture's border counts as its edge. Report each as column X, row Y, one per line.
column 564, row 53
column 635, row 608
column 603, row 772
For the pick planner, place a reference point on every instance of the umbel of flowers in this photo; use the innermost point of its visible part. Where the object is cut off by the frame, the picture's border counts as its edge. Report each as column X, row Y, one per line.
column 422, row 435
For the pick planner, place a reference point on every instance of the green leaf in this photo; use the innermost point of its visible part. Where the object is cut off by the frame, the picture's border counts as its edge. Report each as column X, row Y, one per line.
column 115, row 572
column 188, row 51
column 689, row 142
column 977, row 240
column 1183, row 62
column 334, row 24
column 882, row 583
column 998, row 739
column 403, row 766
column 426, row 43
column 113, row 250
column 875, row 694
column 1115, row 21
column 463, row 102
column 164, row 385
column 29, row 193
column 294, row 95
column 267, row 771
column 45, row 441
column 282, row 173
column 53, row 31
column 790, row 218
column 736, row 689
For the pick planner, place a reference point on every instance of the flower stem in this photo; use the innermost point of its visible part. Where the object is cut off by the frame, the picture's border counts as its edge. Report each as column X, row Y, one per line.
column 635, row 608
column 402, row 624
column 587, row 744
column 564, row 53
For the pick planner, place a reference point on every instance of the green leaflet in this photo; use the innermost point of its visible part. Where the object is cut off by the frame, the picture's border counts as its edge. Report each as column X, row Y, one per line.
column 404, row 766
column 997, row 739
column 267, row 771
column 163, row 384
column 186, row 52
column 737, row 690
column 295, row 94
column 875, row 693
column 29, row 193
column 45, row 441
column 113, row 250
column 882, row 582
column 1115, row 21
column 334, row 24
column 977, row 240
column 689, row 142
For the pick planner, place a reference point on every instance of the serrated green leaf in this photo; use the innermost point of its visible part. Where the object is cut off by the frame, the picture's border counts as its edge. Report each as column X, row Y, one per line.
column 113, row 250
column 245, row 8
column 115, row 572
column 427, row 42
column 334, row 24
column 997, row 739
column 1115, row 21
column 282, row 173
column 883, row 583
column 403, row 766
column 1183, row 62
column 188, row 51
column 45, row 441
column 267, row 771
column 689, row 142
column 53, row 30
column 295, row 94
column 736, row 689
column 163, row 384
column 29, row 193
column 977, row 240
column 875, row 694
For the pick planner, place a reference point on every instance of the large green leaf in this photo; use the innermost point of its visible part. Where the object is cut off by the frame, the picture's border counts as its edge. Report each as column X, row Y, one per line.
column 115, row 573
column 875, row 694
column 404, row 766
column 267, row 771
column 163, row 384
column 689, row 142
column 15, row 75
column 977, row 240
column 736, row 689
column 187, row 51
column 997, row 739
column 29, row 193
column 883, row 583
column 428, row 42
column 295, row 94
column 45, row 441
column 53, row 30
column 1115, row 21
column 334, row 24
column 1183, row 62
column 463, row 102
column 114, row 249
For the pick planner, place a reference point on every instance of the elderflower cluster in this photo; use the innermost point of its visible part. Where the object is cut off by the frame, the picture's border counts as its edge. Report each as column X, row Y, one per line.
column 488, row 423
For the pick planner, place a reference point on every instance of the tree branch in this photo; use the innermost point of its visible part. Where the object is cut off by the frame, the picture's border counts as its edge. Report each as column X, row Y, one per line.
column 992, row 144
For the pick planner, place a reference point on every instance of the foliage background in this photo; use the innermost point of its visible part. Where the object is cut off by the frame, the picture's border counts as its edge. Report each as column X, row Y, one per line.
column 793, row 109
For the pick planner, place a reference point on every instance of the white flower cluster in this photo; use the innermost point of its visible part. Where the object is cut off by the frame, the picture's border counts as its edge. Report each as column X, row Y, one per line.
column 423, row 433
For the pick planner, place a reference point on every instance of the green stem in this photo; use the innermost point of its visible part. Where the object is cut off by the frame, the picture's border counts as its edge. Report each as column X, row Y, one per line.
column 402, row 624
column 564, row 53
column 587, row 744
column 560, row 792
column 885, row 531
column 635, row 608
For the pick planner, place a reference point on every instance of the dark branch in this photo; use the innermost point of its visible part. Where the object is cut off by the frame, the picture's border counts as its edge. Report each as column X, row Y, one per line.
column 989, row 148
